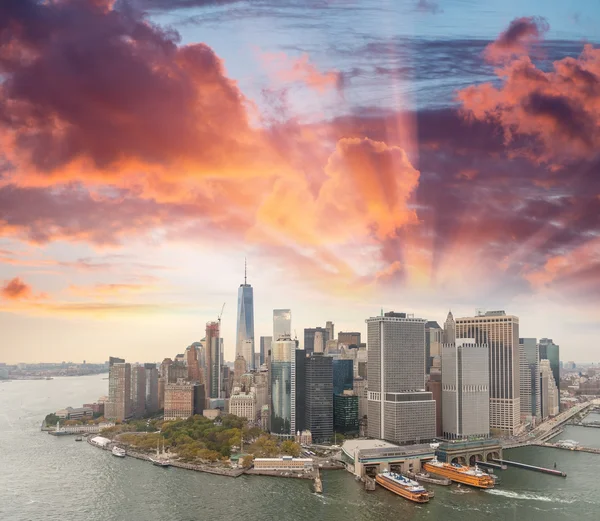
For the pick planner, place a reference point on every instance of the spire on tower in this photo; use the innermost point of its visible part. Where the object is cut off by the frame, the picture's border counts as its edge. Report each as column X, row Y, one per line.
column 245, row 271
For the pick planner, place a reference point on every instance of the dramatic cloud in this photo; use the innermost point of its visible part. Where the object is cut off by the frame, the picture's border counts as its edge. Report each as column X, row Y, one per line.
column 17, row 289
column 301, row 69
column 517, row 39
column 558, row 111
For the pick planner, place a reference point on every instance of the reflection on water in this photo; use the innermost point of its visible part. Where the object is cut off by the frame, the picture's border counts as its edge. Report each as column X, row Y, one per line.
column 47, row 478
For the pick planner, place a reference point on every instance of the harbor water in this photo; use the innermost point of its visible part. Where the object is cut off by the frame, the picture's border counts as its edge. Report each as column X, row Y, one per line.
column 54, row 478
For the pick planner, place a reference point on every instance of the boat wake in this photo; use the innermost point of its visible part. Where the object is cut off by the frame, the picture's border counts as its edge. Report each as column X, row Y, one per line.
column 527, row 496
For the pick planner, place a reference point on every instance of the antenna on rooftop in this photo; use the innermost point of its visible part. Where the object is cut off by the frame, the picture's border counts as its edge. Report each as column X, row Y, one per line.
column 245, row 271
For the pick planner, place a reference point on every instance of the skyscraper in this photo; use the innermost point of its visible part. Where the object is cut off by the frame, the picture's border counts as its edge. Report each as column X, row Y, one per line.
column 265, row 347
column 343, row 375
column 434, row 337
column 449, row 329
column 501, row 334
column 551, row 352
column 282, row 323
column 300, row 391
column 310, row 334
column 399, row 409
column 245, row 322
column 151, row 388
column 118, row 406
column 193, row 364
column 465, row 389
column 213, row 360
column 329, row 326
column 138, row 391
column 530, row 381
column 283, row 386
column 549, row 390
column 319, row 396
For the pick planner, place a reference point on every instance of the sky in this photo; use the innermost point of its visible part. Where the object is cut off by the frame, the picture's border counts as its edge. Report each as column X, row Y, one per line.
column 407, row 155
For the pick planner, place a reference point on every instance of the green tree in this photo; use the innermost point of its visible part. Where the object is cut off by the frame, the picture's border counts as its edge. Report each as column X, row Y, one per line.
column 247, row 461
column 291, row 448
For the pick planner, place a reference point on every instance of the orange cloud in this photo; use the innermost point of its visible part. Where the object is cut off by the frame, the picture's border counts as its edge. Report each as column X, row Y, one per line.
column 517, row 39
column 290, row 70
column 17, row 289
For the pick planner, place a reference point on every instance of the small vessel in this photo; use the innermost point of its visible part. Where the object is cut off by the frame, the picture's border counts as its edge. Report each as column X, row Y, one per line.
column 78, row 438
column 407, row 488
column 118, row 452
column 49, row 378
column 472, row 476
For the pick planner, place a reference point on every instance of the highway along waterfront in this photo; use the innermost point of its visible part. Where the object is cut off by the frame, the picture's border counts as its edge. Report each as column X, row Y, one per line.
column 54, row 478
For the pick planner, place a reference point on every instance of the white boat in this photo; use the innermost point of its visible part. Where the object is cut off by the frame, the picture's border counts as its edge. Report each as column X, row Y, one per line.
column 160, row 460
column 118, row 452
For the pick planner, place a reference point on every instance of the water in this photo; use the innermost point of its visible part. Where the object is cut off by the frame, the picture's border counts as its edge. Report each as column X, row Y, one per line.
column 48, row 478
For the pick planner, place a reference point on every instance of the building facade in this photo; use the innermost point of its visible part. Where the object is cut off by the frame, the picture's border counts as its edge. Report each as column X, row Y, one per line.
column 434, row 338
column 465, row 390
column 548, row 350
column 138, row 391
column 118, row 406
column 318, row 335
column 243, row 404
column 550, row 397
column 343, row 375
column 399, row 408
column 213, row 360
column 151, row 388
column 319, row 396
column 349, row 338
column 345, row 412
column 530, row 382
column 501, row 334
column 265, row 347
column 283, row 387
column 179, row 400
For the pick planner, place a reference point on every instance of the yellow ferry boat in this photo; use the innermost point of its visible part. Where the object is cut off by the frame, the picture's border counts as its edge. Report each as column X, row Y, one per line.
column 402, row 486
column 460, row 474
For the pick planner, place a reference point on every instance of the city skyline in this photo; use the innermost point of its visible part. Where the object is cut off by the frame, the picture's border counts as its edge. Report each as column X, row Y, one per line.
column 349, row 167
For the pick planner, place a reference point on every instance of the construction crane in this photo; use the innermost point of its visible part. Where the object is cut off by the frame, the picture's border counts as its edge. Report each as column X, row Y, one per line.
column 220, row 315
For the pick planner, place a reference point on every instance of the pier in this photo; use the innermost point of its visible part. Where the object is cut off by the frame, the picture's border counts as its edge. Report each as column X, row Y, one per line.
column 543, row 470
column 489, row 465
column 589, row 450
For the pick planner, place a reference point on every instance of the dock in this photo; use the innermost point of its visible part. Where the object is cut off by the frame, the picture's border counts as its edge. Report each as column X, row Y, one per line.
column 589, row 450
column 543, row 470
column 489, row 465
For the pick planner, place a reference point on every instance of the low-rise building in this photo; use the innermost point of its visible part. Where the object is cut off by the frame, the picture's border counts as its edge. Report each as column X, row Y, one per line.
column 77, row 413
column 284, row 463
column 304, row 438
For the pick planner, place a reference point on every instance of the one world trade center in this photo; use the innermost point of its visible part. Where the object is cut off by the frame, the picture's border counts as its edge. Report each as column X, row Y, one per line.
column 244, row 345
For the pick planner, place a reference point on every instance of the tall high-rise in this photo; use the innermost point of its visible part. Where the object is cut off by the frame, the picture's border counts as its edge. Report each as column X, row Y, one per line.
column 550, row 399
column 319, row 396
column 213, row 361
column 343, row 375
column 530, row 381
column 244, row 342
column 193, row 364
column 283, row 386
column 449, row 335
column 465, row 389
column 330, row 327
column 265, row 347
column 282, row 324
column 138, row 391
column 118, row 406
column 399, row 408
column 318, row 334
column 300, row 391
column 551, row 352
column 151, row 388
column 501, row 334
column 434, row 337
